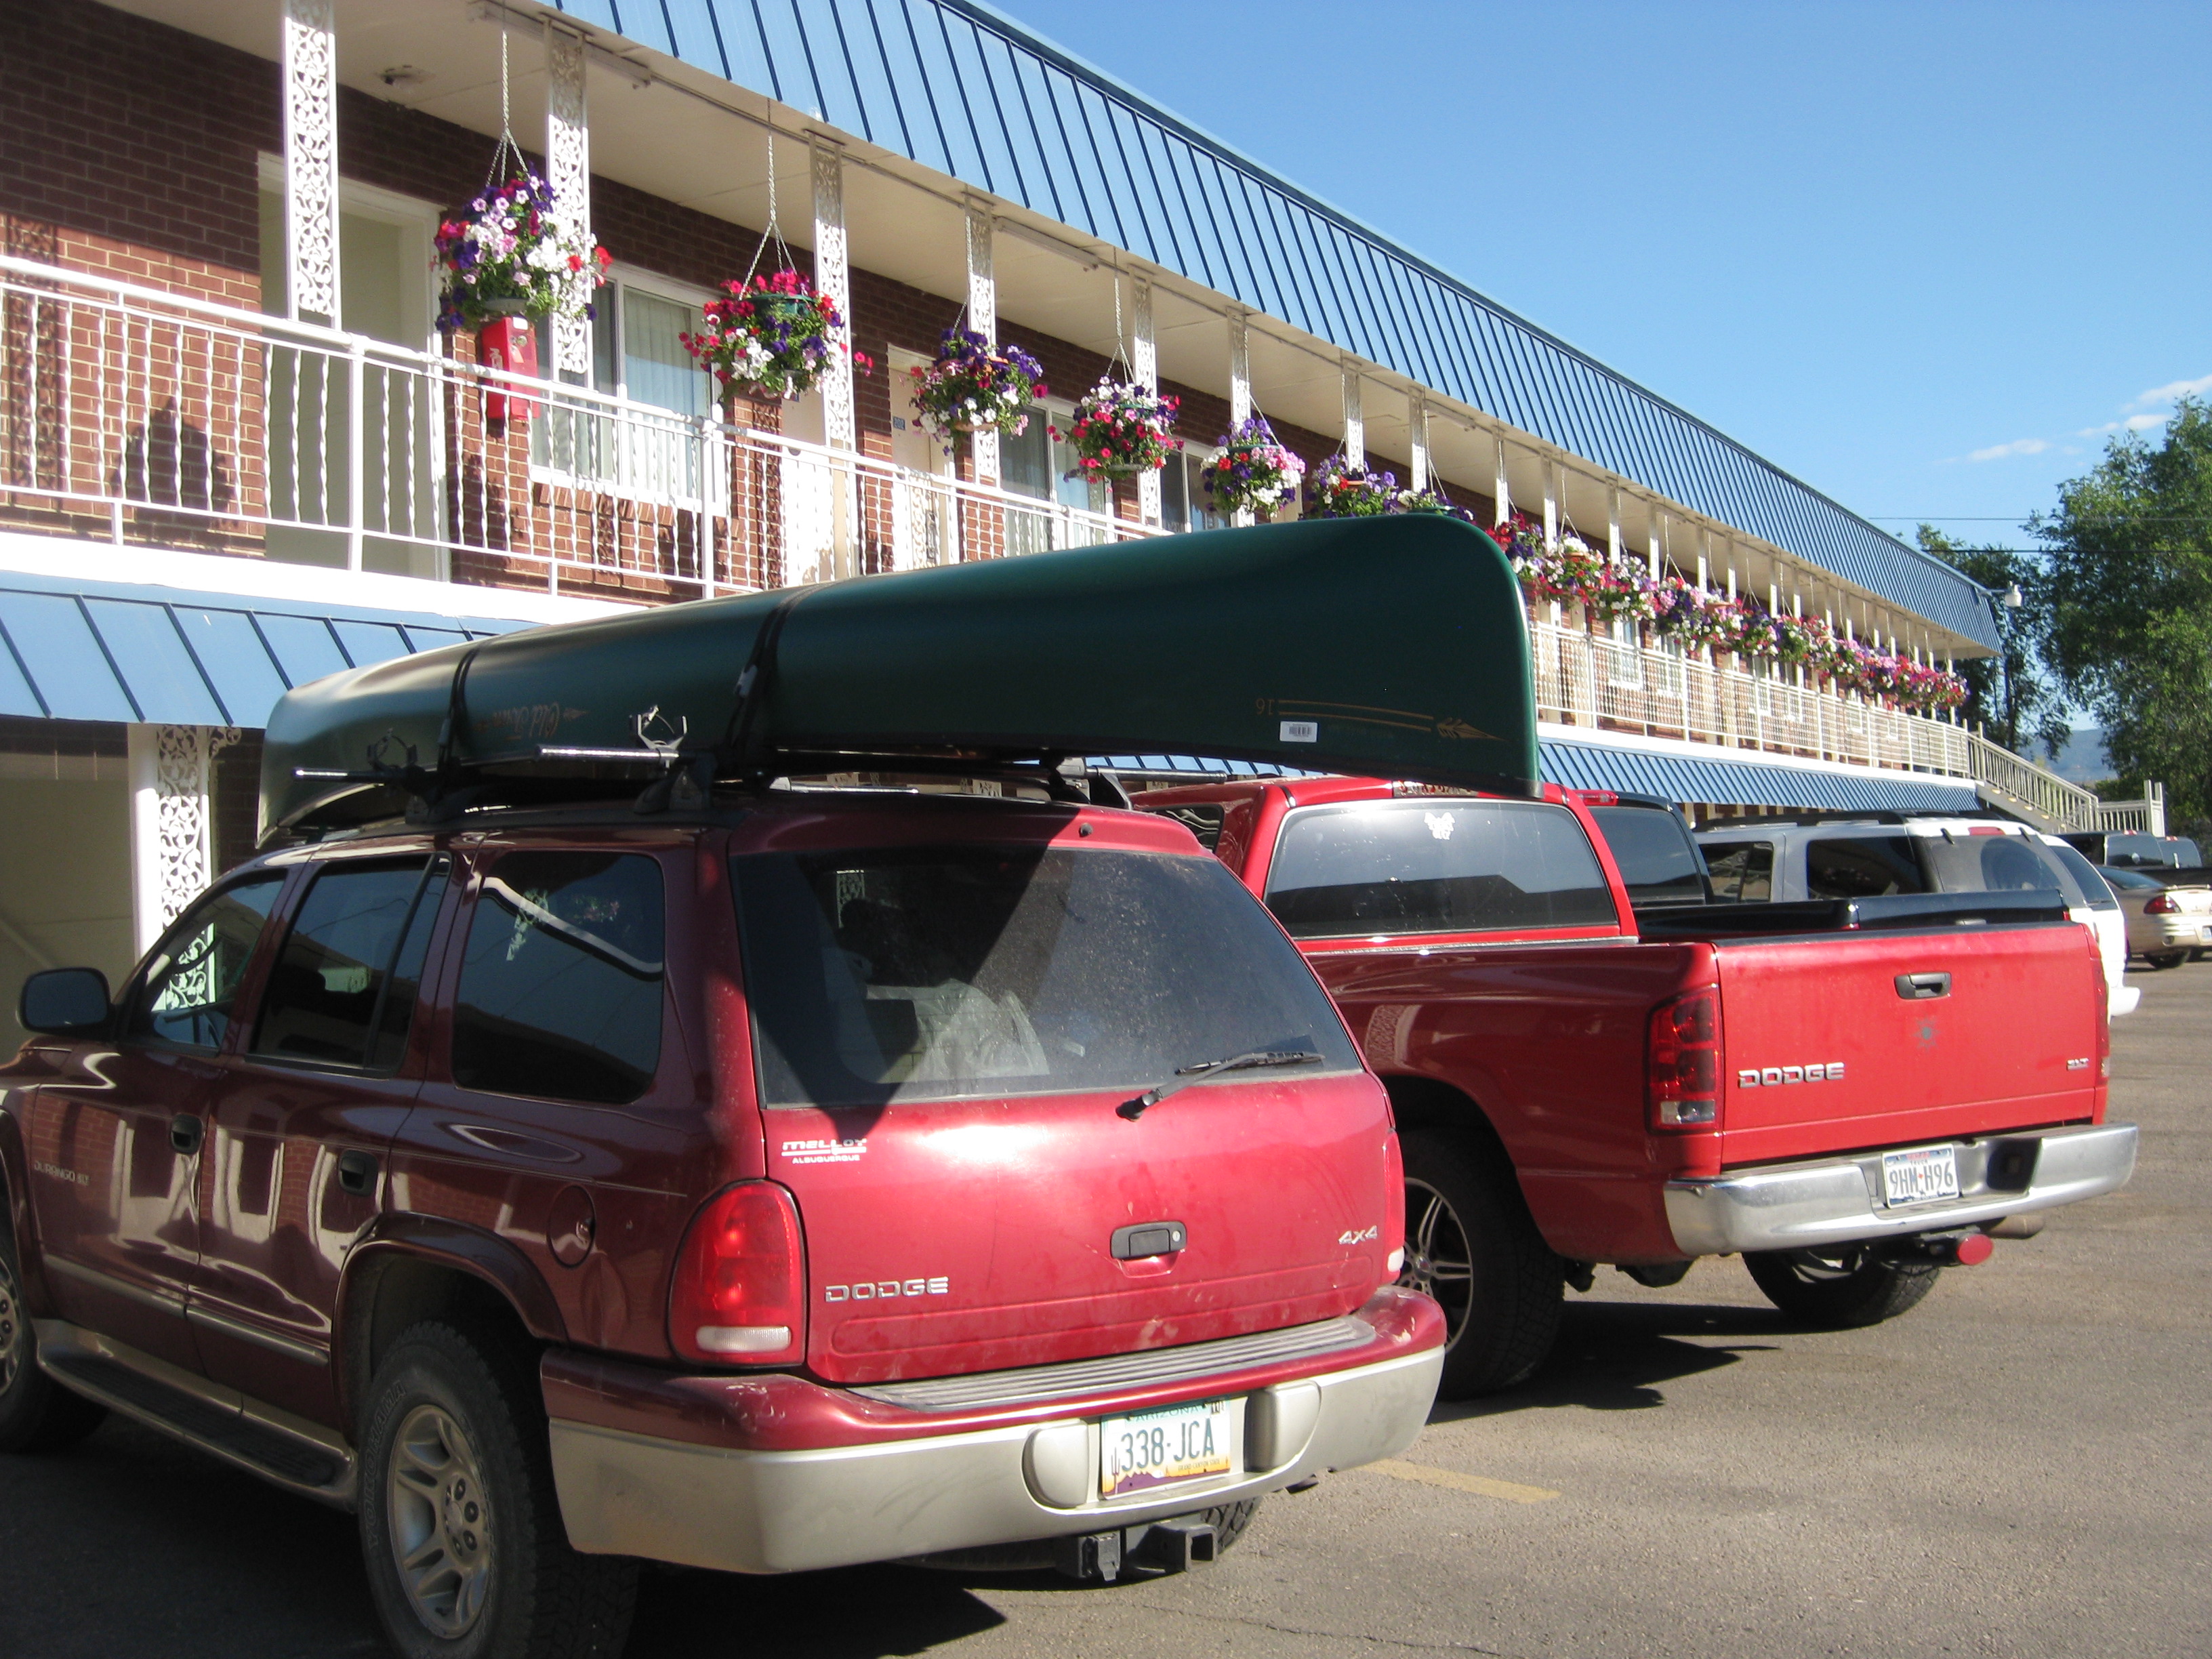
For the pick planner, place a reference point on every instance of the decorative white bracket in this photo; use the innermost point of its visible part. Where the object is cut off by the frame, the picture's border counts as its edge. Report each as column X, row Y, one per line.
column 172, row 821
column 833, row 279
column 983, row 318
column 568, row 175
column 310, row 159
column 1144, row 364
column 1355, row 419
column 1240, row 383
column 1417, row 440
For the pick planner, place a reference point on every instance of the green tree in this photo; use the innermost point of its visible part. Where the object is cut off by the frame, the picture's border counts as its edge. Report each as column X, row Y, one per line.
column 2009, row 693
column 2126, row 617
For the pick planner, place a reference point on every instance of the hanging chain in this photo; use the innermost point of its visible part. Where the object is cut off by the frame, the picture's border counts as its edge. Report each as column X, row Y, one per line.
column 774, row 232
column 508, row 149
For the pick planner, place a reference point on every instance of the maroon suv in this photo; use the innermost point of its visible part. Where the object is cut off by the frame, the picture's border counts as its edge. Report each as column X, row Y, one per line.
column 831, row 1177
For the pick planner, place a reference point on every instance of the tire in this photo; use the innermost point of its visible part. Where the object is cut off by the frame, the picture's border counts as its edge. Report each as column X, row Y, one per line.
column 2166, row 958
column 1228, row 1520
column 456, row 1478
column 1840, row 1288
column 37, row 1414
column 1471, row 1244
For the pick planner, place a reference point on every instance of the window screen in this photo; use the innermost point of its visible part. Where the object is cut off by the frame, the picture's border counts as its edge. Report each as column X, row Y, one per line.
column 1742, row 872
column 343, row 990
column 560, row 993
column 1658, row 861
column 935, row 973
column 192, row 977
column 1862, row 867
column 1435, row 867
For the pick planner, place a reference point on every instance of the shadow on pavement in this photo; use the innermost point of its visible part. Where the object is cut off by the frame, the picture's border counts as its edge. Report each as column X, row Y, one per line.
column 853, row 1612
column 1614, row 1356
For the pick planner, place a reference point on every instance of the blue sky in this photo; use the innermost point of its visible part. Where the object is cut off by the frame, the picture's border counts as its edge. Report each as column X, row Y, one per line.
column 1923, row 256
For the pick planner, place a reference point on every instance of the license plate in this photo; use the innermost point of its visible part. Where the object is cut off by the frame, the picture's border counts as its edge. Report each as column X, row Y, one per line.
column 1158, row 1449
column 1923, row 1173
column 2204, row 933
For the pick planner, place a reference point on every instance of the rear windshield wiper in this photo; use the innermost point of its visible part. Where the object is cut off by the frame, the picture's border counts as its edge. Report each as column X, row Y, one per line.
column 1187, row 1075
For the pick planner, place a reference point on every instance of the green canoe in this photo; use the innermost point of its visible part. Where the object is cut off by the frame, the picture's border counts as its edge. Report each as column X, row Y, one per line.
column 1380, row 645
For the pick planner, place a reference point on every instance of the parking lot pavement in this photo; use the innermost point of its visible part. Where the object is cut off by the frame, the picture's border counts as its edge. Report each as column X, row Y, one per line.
column 2020, row 1466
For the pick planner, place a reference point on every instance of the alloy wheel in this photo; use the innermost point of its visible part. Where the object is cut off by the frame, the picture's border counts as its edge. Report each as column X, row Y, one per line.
column 14, row 1342
column 1439, row 1262
column 440, row 1521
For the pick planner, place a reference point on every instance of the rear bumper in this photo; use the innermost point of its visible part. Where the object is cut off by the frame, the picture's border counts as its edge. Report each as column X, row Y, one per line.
column 2182, row 933
column 906, row 1482
column 1794, row 1207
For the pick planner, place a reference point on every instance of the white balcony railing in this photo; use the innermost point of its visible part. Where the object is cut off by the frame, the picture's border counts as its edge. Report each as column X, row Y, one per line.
column 141, row 415
column 149, row 416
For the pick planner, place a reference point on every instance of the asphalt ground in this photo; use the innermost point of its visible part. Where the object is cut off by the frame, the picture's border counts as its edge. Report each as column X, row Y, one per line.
column 2019, row 1467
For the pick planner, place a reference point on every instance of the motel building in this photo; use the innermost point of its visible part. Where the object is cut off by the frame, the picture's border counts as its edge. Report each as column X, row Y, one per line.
column 237, row 453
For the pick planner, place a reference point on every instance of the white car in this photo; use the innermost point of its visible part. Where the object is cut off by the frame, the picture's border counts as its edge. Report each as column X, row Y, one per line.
column 1858, row 857
column 2165, row 925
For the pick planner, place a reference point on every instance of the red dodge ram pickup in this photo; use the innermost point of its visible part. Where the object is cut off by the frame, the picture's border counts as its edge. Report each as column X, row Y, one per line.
column 1583, row 1070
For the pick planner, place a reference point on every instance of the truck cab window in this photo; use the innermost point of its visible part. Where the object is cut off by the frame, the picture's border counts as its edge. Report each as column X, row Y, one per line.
column 1862, row 867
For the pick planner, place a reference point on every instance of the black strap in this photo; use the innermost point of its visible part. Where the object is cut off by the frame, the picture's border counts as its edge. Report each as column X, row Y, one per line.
column 738, row 747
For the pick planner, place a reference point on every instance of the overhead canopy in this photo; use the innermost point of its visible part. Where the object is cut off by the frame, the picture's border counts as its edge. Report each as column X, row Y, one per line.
column 1392, row 646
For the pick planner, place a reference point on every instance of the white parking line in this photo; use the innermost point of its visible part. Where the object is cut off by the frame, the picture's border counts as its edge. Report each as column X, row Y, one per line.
column 1483, row 1485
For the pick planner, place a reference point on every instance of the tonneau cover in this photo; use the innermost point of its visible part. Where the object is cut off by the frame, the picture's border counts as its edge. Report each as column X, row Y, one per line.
column 1386, row 647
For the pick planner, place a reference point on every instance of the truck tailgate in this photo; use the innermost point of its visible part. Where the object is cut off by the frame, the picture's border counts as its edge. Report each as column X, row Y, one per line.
column 1857, row 1040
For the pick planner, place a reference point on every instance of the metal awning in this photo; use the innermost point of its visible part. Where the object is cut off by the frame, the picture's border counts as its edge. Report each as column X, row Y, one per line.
column 1749, row 783
column 73, row 650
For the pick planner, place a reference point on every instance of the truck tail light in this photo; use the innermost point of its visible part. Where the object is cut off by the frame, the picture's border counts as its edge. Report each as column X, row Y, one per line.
column 738, row 1296
column 1683, row 1063
column 2161, row 904
column 2102, row 997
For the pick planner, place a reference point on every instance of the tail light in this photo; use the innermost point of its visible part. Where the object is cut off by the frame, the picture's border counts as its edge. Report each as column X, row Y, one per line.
column 2102, row 996
column 739, row 1296
column 2162, row 905
column 1683, row 1063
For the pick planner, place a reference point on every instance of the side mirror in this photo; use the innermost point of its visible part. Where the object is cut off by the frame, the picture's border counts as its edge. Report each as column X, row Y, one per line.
column 64, row 1002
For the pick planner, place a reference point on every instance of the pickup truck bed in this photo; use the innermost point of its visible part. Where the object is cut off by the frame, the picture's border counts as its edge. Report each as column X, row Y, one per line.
column 1842, row 1091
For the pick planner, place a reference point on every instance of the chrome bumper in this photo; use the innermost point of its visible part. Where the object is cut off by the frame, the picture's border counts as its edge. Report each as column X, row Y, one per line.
column 793, row 1511
column 1794, row 1207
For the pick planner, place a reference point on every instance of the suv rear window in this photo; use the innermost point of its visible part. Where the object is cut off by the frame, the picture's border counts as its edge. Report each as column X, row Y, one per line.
column 1862, row 867
column 937, row 973
column 1997, row 864
column 1658, row 861
column 1434, row 866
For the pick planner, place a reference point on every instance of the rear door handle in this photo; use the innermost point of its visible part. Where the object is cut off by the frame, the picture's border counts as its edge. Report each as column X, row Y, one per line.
column 185, row 1133
column 357, row 1173
column 1919, row 988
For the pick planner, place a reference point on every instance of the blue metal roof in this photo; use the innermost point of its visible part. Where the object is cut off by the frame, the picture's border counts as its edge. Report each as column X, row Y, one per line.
column 961, row 89
column 112, row 651
column 1746, row 783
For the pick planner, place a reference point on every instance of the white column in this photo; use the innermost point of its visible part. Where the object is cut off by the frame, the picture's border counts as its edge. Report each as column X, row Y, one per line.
column 1551, row 504
column 310, row 159
column 1655, row 530
column 983, row 318
column 1144, row 364
column 833, row 279
column 1504, row 486
column 568, row 175
column 1613, row 549
column 172, row 851
column 1240, row 383
column 1355, row 419
column 1417, row 440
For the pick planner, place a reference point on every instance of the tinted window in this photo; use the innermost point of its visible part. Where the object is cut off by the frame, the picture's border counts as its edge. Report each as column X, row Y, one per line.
column 344, row 987
column 929, row 974
column 560, row 991
column 1996, row 864
column 2144, row 850
column 2129, row 881
column 2092, row 886
column 1202, row 818
column 1742, row 871
column 1433, row 867
column 192, row 977
column 1658, row 861
column 1864, row 866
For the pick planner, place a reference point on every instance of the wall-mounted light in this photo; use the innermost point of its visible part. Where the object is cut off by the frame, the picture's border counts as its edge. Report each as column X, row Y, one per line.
column 2013, row 599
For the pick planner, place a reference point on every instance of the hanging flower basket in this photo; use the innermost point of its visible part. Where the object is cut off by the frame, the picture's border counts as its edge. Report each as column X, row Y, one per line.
column 1121, row 431
column 1339, row 490
column 975, row 386
column 1434, row 501
column 772, row 336
column 1254, row 472
column 510, row 254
